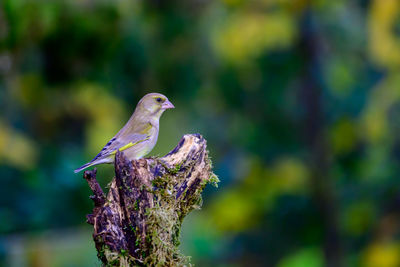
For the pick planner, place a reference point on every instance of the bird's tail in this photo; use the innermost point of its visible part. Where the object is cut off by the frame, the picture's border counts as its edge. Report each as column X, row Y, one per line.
column 83, row 167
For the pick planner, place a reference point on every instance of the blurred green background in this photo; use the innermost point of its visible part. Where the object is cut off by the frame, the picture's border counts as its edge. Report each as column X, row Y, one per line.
column 299, row 101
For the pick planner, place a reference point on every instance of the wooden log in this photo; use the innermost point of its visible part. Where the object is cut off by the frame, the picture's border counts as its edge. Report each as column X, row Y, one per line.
column 139, row 222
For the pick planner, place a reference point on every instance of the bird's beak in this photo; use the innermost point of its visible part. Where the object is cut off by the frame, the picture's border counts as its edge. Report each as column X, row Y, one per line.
column 167, row 105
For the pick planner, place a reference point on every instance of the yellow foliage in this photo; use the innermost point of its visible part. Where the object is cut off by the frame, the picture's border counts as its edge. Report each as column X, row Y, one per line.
column 382, row 255
column 384, row 45
column 233, row 213
column 376, row 125
column 358, row 217
column 245, row 36
column 16, row 148
column 375, row 122
column 290, row 175
column 28, row 89
column 341, row 76
column 106, row 114
column 343, row 136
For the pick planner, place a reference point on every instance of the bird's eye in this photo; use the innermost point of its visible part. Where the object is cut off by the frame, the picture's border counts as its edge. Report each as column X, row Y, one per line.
column 159, row 99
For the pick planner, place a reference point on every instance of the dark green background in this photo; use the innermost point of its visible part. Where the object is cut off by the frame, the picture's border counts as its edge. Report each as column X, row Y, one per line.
column 299, row 102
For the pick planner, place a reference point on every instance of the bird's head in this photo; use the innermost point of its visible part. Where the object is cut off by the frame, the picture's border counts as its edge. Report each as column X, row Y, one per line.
column 155, row 103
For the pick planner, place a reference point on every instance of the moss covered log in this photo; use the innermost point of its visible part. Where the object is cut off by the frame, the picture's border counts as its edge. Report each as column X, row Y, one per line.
column 139, row 221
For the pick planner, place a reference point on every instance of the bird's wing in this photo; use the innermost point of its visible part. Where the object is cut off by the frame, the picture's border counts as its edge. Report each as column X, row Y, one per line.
column 116, row 144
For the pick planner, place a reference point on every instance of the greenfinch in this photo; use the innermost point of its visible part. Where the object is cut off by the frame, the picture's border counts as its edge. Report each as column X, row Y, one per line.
column 139, row 135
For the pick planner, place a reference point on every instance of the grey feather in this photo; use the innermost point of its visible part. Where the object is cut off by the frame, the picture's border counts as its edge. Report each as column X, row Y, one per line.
column 111, row 146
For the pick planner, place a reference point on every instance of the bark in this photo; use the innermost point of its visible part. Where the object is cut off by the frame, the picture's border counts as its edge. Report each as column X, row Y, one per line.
column 139, row 221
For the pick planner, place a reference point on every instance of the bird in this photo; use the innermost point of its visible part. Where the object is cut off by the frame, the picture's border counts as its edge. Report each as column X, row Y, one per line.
column 139, row 135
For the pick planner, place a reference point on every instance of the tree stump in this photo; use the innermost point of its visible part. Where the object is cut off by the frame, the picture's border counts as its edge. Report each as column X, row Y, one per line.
column 139, row 221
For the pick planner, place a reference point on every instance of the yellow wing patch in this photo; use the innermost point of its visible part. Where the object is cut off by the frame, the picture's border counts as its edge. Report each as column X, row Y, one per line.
column 130, row 144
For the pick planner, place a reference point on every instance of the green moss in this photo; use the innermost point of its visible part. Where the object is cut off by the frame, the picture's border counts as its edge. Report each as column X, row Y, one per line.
column 163, row 224
column 213, row 180
column 133, row 229
column 164, row 220
column 159, row 182
column 175, row 170
column 100, row 253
